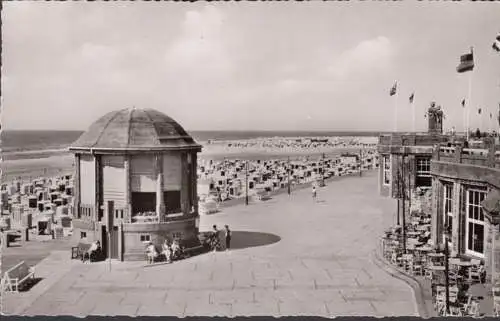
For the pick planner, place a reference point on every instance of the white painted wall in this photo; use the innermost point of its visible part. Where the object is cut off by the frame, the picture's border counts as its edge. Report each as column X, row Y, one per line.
column 114, row 183
column 142, row 176
column 172, row 172
column 87, row 180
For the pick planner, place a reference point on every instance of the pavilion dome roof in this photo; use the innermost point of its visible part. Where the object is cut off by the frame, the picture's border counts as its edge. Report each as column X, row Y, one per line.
column 134, row 130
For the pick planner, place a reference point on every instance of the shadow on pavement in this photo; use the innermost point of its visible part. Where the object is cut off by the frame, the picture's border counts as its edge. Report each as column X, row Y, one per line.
column 244, row 239
column 30, row 284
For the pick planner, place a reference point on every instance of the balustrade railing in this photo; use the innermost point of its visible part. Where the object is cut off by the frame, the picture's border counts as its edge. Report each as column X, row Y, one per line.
column 475, row 151
column 164, row 218
column 86, row 211
column 447, row 150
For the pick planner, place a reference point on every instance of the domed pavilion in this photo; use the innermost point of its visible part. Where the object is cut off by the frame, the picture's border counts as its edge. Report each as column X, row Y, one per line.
column 140, row 166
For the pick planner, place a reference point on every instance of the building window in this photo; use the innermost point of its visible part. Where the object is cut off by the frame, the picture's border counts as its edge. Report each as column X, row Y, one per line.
column 172, row 202
column 423, row 172
column 145, row 238
column 447, row 207
column 475, row 222
column 387, row 170
column 83, row 235
column 177, row 235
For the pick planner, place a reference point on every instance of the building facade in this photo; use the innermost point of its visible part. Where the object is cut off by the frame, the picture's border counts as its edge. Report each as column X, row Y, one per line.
column 460, row 182
column 465, row 201
column 145, row 164
column 405, row 161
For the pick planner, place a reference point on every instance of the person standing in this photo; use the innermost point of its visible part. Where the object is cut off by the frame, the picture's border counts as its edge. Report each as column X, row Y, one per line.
column 228, row 237
column 314, row 192
column 215, row 238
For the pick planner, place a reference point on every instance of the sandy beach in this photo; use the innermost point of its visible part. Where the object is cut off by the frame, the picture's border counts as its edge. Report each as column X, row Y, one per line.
column 53, row 162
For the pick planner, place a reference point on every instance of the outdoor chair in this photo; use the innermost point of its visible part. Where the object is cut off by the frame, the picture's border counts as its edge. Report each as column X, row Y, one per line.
column 417, row 268
column 453, row 292
column 407, row 260
column 453, row 275
column 476, row 273
column 471, row 308
column 428, row 271
column 496, row 300
column 396, row 259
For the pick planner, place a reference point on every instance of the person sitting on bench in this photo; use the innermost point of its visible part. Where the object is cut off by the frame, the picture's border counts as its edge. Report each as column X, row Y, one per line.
column 176, row 250
column 167, row 251
column 94, row 248
column 151, row 252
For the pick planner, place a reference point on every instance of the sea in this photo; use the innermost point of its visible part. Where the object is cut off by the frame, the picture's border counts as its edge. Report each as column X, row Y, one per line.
column 29, row 140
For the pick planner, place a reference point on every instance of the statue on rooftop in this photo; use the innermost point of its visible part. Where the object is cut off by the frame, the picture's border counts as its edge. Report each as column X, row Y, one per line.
column 435, row 115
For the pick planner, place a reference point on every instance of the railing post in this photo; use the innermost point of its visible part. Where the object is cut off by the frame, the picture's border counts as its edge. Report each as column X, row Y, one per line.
column 491, row 154
column 458, row 153
column 436, row 152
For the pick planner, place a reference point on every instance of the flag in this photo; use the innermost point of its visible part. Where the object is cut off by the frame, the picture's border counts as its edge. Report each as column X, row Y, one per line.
column 463, row 102
column 496, row 44
column 393, row 89
column 411, row 98
column 479, row 111
column 466, row 62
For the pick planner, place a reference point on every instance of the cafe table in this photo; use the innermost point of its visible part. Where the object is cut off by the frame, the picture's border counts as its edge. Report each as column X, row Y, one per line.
column 435, row 254
column 424, row 248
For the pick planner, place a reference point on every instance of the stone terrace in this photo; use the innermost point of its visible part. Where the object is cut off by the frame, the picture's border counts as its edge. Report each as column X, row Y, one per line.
column 323, row 265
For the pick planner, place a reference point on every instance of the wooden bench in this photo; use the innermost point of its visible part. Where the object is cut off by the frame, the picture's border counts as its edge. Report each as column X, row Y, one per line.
column 17, row 276
column 77, row 252
column 191, row 247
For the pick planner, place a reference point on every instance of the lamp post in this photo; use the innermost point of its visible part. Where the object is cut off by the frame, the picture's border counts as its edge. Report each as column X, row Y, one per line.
column 323, row 170
column 360, row 161
column 246, row 180
column 446, row 269
column 444, row 248
column 288, row 174
column 404, row 201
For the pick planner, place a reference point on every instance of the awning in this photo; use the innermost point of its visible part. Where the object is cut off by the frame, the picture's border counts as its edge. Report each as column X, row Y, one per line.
column 491, row 204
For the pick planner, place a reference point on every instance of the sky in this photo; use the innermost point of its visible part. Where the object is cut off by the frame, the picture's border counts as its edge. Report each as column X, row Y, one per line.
column 248, row 65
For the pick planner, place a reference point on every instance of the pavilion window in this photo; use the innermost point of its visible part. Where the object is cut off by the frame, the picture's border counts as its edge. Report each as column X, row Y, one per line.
column 447, row 206
column 143, row 202
column 172, row 201
column 387, row 169
column 177, row 235
column 423, row 172
column 475, row 227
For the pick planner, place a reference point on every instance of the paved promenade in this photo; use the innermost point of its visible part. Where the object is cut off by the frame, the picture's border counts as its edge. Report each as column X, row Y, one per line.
column 319, row 261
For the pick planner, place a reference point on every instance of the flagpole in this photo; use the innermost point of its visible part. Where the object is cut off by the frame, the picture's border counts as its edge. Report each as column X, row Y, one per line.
column 465, row 119
column 481, row 121
column 396, row 109
column 413, row 112
column 469, row 103
column 395, row 115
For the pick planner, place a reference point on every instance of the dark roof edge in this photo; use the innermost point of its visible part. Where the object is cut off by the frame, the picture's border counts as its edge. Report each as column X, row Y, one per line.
column 111, row 150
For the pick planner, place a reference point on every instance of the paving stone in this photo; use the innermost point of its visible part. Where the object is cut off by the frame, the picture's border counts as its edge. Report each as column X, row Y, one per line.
column 104, row 309
column 255, row 309
column 359, row 308
column 149, row 296
column 298, row 307
column 197, row 309
column 398, row 308
column 161, row 310
column 232, row 297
